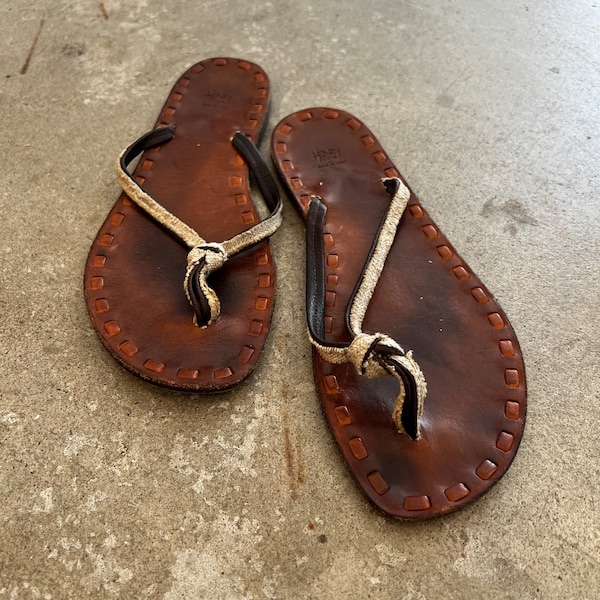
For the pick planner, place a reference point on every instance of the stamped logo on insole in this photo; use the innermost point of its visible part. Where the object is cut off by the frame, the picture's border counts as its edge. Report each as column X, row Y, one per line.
column 327, row 157
column 216, row 99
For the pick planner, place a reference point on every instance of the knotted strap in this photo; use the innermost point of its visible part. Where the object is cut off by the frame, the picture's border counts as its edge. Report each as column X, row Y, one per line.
column 373, row 355
column 204, row 257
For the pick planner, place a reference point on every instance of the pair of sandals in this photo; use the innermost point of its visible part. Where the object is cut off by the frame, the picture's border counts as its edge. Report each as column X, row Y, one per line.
column 420, row 374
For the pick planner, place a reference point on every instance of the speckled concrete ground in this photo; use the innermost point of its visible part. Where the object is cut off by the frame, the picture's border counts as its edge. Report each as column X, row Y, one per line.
column 111, row 488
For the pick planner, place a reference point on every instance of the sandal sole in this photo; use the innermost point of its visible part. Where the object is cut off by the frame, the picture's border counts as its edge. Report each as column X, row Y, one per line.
column 135, row 270
column 429, row 301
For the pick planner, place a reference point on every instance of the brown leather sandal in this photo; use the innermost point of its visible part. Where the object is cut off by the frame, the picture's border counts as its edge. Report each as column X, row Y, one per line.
column 190, row 197
column 426, row 430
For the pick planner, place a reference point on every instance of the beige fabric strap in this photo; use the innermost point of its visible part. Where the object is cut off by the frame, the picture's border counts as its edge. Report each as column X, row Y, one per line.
column 213, row 254
column 168, row 220
column 372, row 272
column 362, row 351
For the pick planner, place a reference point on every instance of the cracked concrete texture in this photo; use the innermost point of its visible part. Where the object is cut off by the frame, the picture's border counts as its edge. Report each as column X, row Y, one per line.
column 111, row 488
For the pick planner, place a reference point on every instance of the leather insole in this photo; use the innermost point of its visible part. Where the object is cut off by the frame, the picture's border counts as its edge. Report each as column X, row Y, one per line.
column 429, row 301
column 135, row 270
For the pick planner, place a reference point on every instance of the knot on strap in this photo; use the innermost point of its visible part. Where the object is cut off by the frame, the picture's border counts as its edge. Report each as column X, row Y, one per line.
column 377, row 355
column 201, row 262
column 364, row 353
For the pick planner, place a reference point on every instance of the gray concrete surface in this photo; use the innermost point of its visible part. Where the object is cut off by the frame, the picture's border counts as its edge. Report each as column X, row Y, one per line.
column 111, row 488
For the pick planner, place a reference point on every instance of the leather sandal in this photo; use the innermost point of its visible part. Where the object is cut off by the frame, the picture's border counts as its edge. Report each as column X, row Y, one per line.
column 420, row 374
column 180, row 282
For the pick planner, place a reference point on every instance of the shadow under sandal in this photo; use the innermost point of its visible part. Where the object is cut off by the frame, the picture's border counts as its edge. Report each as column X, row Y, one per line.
column 179, row 281
column 419, row 371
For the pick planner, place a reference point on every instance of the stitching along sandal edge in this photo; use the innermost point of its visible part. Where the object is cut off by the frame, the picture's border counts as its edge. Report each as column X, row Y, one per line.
column 420, row 374
column 179, row 282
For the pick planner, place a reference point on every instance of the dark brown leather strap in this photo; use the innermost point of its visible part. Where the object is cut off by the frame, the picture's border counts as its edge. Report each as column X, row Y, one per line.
column 315, row 270
column 266, row 184
column 156, row 137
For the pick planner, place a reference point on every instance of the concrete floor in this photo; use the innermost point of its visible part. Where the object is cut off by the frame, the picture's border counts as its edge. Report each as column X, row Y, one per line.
column 112, row 488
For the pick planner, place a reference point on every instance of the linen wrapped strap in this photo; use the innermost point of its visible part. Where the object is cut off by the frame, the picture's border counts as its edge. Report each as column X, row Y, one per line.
column 373, row 355
column 204, row 257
